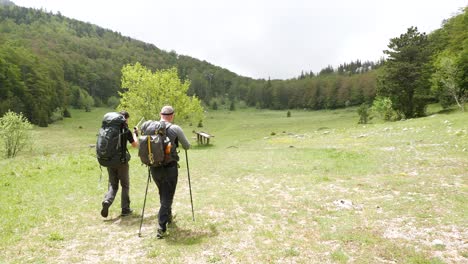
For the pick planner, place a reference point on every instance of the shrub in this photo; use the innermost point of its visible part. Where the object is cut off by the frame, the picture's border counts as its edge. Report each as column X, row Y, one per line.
column 66, row 113
column 214, row 105
column 242, row 104
column 14, row 132
column 363, row 112
column 98, row 102
column 232, row 107
column 57, row 115
column 88, row 102
column 382, row 106
column 113, row 102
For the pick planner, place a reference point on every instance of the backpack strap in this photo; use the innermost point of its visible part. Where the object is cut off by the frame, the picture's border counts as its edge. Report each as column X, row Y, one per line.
column 176, row 141
column 165, row 127
column 123, row 142
column 150, row 154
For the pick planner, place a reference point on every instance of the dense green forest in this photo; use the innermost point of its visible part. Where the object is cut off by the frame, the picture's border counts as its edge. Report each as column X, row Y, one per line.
column 49, row 62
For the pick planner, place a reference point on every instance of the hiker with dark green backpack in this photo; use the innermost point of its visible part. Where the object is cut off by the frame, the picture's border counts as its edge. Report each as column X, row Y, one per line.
column 111, row 152
column 162, row 160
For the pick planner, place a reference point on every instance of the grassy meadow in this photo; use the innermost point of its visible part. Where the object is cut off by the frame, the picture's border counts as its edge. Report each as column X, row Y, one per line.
column 312, row 188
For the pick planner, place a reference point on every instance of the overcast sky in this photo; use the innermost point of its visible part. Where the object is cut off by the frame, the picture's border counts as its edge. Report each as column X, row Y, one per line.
column 262, row 38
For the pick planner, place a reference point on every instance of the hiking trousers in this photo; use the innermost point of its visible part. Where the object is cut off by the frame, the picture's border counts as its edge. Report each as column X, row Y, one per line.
column 166, row 181
column 118, row 174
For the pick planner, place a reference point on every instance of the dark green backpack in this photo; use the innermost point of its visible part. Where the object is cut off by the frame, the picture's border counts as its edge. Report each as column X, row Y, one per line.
column 111, row 142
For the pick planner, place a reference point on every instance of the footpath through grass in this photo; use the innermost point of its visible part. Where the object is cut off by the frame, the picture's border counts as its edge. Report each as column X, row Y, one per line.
column 312, row 188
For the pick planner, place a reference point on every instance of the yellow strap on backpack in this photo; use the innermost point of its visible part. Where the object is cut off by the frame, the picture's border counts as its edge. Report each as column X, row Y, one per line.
column 150, row 154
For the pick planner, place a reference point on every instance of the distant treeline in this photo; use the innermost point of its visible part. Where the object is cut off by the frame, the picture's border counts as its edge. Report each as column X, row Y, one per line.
column 49, row 62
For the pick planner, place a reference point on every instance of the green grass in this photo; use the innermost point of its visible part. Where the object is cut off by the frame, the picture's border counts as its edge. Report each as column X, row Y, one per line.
column 312, row 188
column 339, row 256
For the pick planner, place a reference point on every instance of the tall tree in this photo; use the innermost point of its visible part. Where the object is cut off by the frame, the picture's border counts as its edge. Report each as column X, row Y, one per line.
column 405, row 76
column 147, row 92
column 450, row 79
column 446, row 83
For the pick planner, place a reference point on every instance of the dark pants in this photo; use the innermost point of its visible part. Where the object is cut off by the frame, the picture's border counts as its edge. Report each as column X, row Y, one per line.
column 166, row 180
column 116, row 174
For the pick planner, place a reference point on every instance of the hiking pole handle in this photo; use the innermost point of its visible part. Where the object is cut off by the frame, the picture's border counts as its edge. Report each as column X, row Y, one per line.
column 190, row 185
column 140, row 122
column 135, row 128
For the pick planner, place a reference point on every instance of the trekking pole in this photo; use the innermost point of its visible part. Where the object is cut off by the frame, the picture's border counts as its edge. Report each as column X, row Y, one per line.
column 139, row 123
column 144, row 203
column 190, row 186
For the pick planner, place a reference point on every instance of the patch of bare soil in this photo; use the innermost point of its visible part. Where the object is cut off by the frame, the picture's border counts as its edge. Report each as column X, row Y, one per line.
column 112, row 240
column 448, row 242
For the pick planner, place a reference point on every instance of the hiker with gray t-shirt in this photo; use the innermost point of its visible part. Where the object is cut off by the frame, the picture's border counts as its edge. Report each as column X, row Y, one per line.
column 165, row 176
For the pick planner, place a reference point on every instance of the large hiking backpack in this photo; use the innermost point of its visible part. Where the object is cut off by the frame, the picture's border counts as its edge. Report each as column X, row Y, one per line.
column 110, row 145
column 155, row 146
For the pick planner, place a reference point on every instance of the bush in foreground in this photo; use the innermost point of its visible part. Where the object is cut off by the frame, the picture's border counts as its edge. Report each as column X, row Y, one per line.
column 14, row 132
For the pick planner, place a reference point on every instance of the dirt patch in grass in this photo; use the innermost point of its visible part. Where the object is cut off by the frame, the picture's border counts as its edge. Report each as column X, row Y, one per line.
column 445, row 242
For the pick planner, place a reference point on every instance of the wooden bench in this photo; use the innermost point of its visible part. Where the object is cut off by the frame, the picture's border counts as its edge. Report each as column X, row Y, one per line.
column 203, row 137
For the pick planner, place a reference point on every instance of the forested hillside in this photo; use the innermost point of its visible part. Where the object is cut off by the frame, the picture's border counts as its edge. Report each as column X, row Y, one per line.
column 49, row 62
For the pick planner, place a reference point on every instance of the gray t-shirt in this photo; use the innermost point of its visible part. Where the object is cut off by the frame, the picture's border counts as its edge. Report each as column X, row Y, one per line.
column 176, row 135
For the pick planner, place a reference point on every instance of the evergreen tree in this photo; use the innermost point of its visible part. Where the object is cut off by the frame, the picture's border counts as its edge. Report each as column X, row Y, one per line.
column 232, row 106
column 214, row 105
column 405, row 76
column 363, row 112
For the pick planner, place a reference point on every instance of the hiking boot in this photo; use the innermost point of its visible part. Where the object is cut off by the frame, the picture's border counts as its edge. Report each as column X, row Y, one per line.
column 161, row 233
column 126, row 212
column 105, row 209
